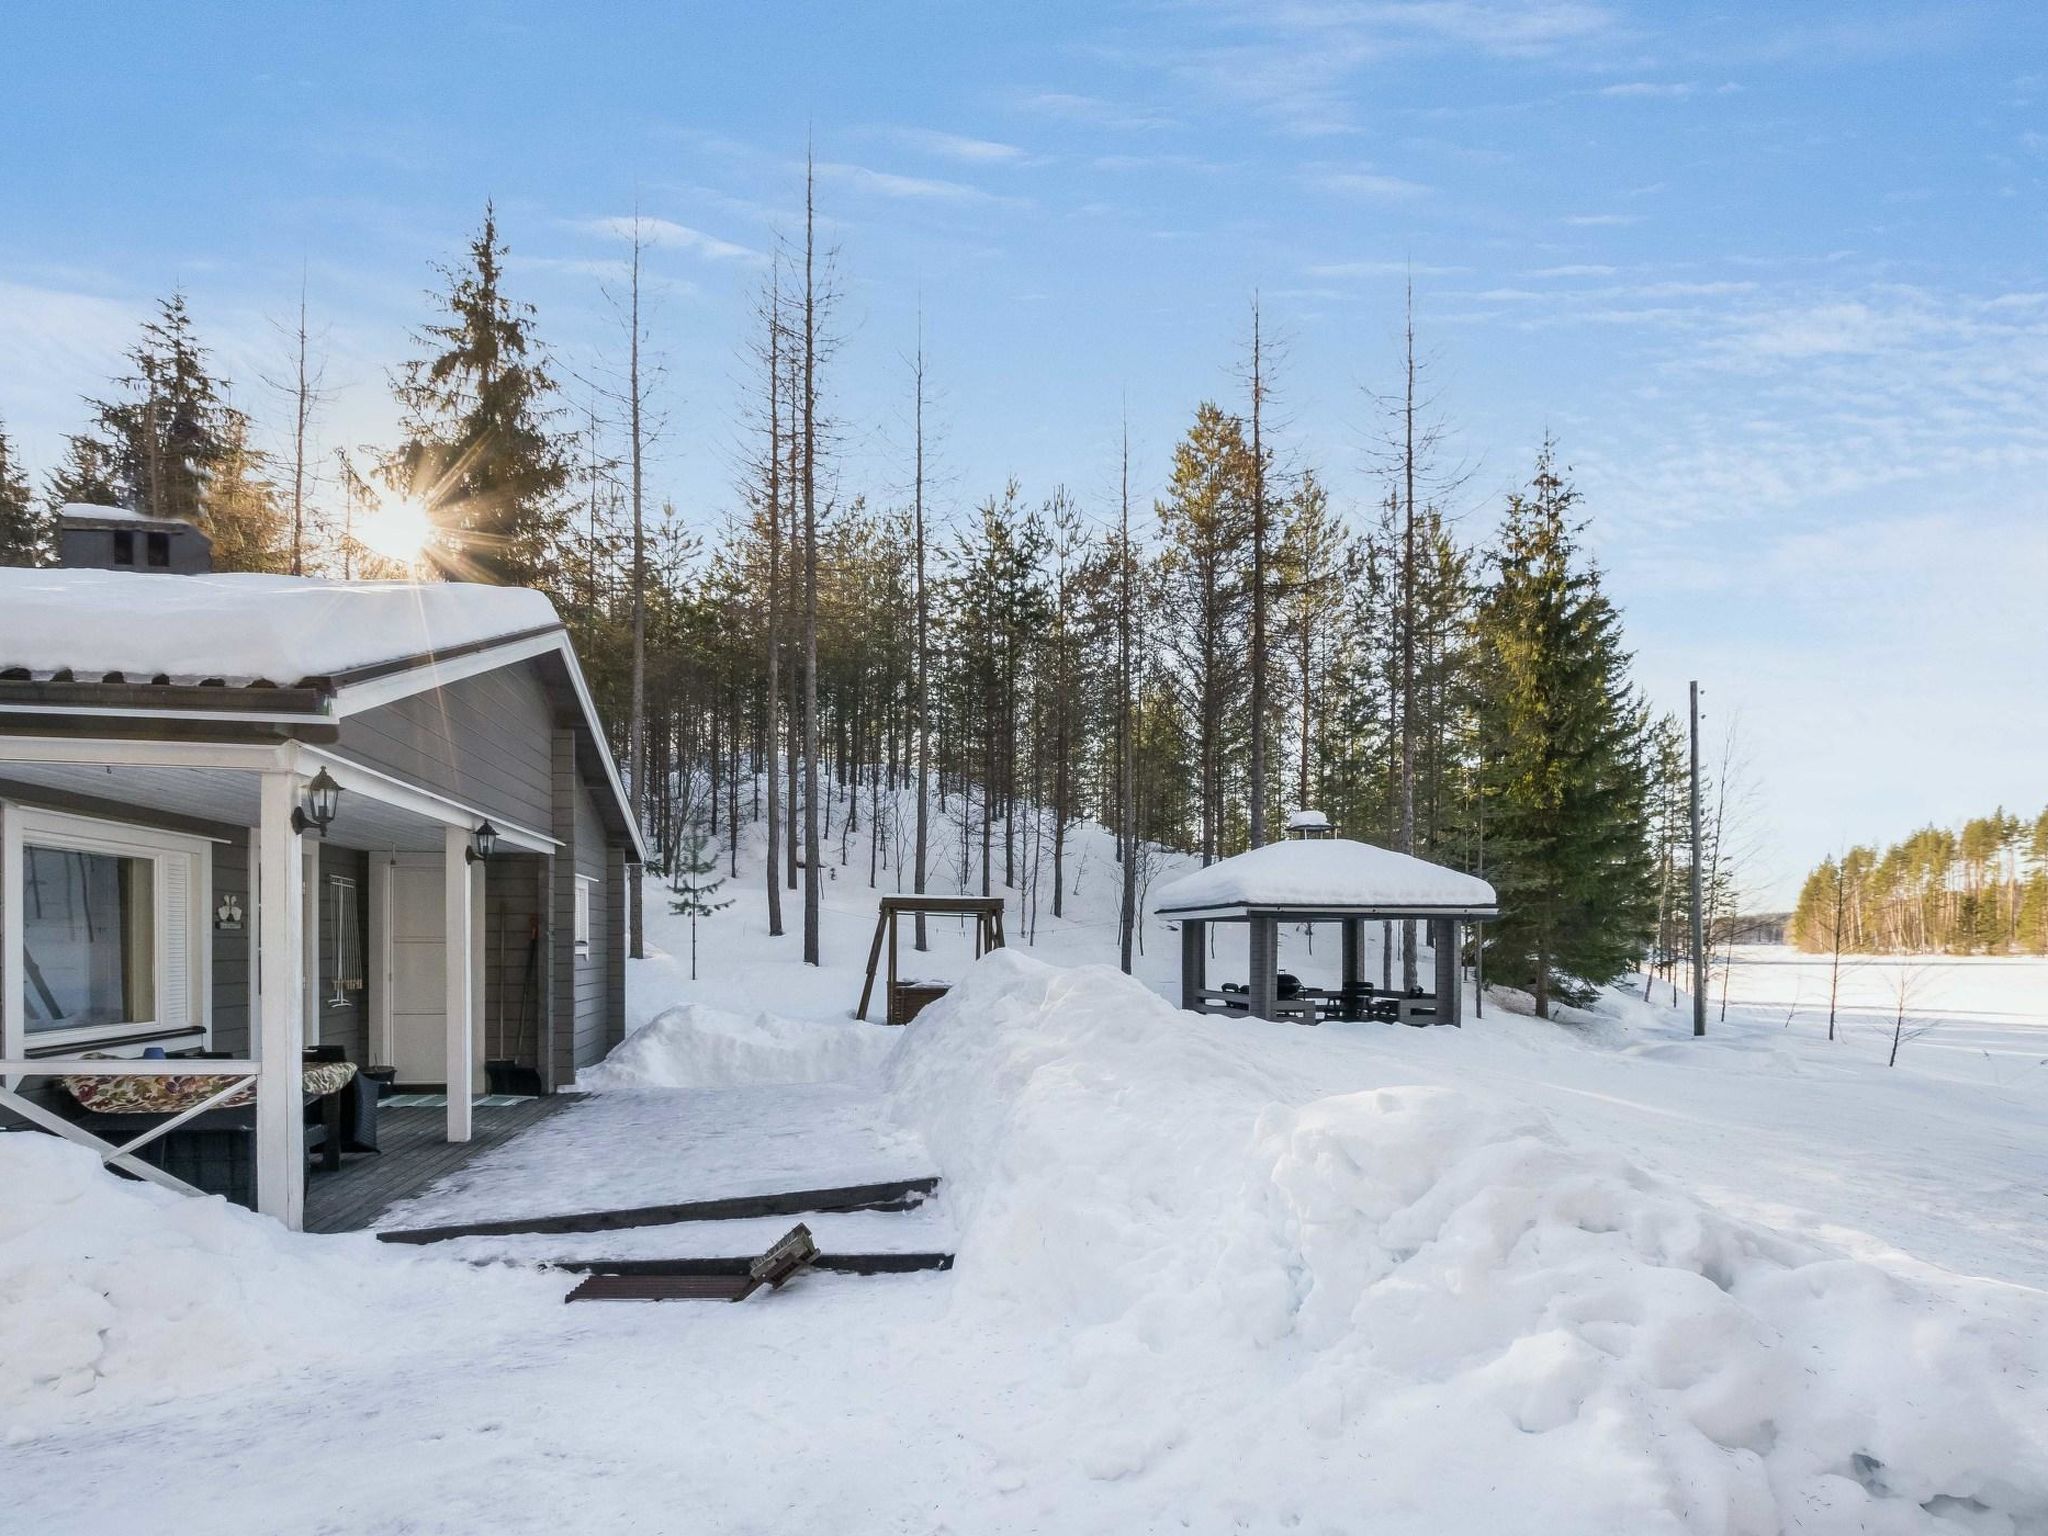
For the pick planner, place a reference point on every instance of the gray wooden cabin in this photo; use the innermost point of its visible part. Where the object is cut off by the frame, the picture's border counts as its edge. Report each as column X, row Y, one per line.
column 265, row 932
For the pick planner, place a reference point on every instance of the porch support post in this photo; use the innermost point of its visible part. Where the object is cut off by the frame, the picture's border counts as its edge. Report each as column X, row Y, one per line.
column 1353, row 972
column 1443, row 936
column 457, row 931
column 13, row 984
column 1265, row 976
column 281, row 1033
column 1193, row 963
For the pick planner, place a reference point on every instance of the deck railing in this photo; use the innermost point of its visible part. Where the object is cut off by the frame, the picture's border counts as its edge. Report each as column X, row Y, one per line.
column 241, row 1073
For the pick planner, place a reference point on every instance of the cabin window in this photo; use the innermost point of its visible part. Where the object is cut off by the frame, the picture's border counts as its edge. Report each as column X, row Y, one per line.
column 124, row 546
column 159, row 549
column 344, row 944
column 88, row 936
column 112, row 929
column 585, row 884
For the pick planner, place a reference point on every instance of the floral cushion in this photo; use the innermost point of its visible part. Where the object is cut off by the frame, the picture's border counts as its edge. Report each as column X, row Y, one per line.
column 168, row 1095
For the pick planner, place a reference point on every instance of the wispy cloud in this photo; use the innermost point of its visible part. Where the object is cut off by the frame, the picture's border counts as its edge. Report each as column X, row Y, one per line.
column 1650, row 90
column 1158, row 162
column 928, row 189
column 1296, row 63
column 954, row 146
column 1362, row 183
column 1337, row 269
column 1095, row 111
column 1602, row 220
column 669, row 235
column 1573, row 269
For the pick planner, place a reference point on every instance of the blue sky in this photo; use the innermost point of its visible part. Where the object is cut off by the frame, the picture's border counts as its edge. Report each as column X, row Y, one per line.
column 1771, row 273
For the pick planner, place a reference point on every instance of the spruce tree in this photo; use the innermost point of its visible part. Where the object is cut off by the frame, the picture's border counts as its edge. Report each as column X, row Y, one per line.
column 1562, row 742
column 481, row 449
column 88, row 476
column 167, row 433
column 696, row 882
column 24, row 527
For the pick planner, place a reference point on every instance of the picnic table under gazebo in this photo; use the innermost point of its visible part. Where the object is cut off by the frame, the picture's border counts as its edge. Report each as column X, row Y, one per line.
column 1323, row 880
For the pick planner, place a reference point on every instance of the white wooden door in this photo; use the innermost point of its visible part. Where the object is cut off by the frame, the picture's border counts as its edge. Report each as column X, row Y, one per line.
column 419, row 1040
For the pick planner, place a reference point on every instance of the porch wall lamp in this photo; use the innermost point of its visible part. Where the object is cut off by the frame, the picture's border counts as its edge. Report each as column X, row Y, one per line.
column 323, row 796
column 483, row 842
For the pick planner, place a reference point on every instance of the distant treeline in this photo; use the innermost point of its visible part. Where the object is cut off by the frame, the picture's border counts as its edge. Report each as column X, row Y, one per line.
column 1980, row 890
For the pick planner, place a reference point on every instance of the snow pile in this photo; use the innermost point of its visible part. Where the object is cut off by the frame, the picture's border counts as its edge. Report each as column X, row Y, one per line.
column 698, row 1046
column 1323, row 872
column 1421, row 1307
column 134, row 1294
column 241, row 627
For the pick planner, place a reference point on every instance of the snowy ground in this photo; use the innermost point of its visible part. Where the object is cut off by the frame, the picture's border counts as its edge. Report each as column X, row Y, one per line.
column 1581, row 1277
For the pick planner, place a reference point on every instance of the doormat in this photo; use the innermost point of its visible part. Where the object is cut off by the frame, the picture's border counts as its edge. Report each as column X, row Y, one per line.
column 440, row 1101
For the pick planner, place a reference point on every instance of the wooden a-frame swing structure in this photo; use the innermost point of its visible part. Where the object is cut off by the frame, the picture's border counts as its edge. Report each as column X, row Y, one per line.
column 906, row 998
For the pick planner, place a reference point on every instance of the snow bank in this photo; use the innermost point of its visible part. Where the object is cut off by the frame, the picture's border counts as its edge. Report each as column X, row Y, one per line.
column 134, row 1294
column 1412, row 1307
column 240, row 627
column 698, row 1046
column 1323, row 872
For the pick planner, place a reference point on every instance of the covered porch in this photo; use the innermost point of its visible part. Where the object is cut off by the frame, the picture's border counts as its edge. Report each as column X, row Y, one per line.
column 272, row 896
column 1325, row 880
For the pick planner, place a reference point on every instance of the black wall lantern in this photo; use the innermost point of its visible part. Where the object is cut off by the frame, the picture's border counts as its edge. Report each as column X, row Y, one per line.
column 323, row 795
column 483, row 842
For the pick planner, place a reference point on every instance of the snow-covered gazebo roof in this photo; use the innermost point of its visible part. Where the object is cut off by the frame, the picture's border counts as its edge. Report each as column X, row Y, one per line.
column 1329, row 878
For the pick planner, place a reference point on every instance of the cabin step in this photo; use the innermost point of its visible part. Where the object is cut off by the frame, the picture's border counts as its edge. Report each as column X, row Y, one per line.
column 894, row 1195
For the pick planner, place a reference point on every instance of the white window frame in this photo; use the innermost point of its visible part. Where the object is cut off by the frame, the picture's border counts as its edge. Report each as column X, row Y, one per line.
column 23, row 825
column 585, row 886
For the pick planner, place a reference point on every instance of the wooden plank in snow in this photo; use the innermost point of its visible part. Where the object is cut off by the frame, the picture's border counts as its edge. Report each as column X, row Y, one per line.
column 665, row 1288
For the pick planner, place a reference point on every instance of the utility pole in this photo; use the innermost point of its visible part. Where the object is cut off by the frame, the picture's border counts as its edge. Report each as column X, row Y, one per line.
column 1699, row 954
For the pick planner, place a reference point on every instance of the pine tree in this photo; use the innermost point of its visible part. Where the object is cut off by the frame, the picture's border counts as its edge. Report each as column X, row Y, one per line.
column 1564, row 772
column 240, row 509
column 481, row 449
column 24, row 527
column 695, row 882
column 1205, row 527
column 1311, row 602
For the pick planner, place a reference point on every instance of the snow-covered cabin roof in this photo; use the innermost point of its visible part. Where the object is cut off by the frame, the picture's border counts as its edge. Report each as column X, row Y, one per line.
column 243, row 628
column 1328, row 875
column 87, row 514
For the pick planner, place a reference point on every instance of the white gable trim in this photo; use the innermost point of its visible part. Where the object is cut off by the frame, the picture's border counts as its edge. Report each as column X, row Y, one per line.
column 353, row 698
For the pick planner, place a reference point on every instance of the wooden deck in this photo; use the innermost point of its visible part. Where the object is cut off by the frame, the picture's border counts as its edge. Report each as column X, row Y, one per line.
column 413, row 1156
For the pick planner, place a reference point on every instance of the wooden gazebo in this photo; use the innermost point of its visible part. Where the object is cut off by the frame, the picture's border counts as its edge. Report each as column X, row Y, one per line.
column 907, row 998
column 1323, row 880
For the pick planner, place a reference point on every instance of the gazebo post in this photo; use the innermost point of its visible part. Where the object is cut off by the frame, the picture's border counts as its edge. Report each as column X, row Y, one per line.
column 1353, row 971
column 1443, row 936
column 1265, row 972
column 1193, row 964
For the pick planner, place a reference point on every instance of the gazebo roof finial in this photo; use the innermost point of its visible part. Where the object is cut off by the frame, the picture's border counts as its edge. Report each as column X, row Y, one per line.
column 1305, row 824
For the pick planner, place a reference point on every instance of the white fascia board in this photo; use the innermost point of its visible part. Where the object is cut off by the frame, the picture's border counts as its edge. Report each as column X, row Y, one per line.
column 221, row 716
column 611, row 769
column 100, row 752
